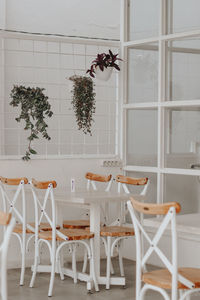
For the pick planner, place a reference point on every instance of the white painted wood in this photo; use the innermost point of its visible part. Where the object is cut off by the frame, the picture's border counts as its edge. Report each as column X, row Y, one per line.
column 169, row 104
column 169, row 37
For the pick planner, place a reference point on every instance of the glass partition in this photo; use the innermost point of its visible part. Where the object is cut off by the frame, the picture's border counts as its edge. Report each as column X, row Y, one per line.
column 142, row 137
column 143, row 74
column 139, row 12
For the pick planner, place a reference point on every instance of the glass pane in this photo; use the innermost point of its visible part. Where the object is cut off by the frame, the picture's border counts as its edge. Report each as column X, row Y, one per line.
column 183, row 189
column 142, row 137
column 184, row 66
column 139, row 12
column 182, row 138
column 183, row 15
column 143, row 74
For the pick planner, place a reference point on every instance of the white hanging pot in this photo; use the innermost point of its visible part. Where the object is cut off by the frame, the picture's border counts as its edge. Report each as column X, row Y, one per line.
column 103, row 75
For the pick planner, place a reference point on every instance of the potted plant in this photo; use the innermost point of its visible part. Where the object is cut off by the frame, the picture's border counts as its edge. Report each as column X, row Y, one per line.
column 103, row 65
column 83, row 101
column 34, row 110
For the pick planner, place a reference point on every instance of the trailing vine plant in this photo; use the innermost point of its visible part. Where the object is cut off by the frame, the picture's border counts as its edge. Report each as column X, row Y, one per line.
column 34, row 110
column 83, row 101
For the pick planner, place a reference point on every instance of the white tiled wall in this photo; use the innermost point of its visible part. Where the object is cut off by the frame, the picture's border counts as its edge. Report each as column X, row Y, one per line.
column 49, row 65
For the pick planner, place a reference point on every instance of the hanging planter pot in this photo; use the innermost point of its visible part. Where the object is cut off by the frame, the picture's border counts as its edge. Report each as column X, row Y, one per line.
column 103, row 65
column 105, row 74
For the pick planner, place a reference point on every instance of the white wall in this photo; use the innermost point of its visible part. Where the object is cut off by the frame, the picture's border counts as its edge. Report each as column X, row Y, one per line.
column 58, row 17
column 2, row 13
column 89, row 18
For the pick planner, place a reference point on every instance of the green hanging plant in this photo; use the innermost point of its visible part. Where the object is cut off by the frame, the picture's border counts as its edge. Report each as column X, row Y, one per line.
column 35, row 108
column 83, row 102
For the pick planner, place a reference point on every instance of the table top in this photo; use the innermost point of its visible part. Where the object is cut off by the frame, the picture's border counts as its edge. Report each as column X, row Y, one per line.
column 89, row 197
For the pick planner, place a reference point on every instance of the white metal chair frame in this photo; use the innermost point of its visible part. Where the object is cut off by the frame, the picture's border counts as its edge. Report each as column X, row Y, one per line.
column 110, row 245
column 10, row 207
column 54, row 246
column 4, row 253
column 142, row 258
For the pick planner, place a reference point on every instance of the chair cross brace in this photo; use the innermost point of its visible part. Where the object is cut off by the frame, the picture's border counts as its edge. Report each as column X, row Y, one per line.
column 154, row 248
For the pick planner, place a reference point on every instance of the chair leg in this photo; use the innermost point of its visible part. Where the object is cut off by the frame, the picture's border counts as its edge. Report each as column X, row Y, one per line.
column 36, row 260
column 59, row 265
column 3, row 271
column 23, row 254
column 111, row 264
column 108, row 262
column 85, row 261
column 120, row 258
column 74, row 262
column 111, row 267
column 92, row 268
column 53, row 267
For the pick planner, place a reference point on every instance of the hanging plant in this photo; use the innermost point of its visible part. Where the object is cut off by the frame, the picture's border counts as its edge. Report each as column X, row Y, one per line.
column 34, row 110
column 104, row 62
column 83, row 101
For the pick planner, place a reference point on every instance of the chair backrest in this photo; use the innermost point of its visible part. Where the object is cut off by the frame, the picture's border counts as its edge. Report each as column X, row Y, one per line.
column 168, row 210
column 123, row 181
column 9, row 222
column 41, row 202
column 10, row 205
column 93, row 178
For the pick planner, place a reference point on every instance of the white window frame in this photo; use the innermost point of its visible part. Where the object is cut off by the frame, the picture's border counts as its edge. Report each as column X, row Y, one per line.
column 161, row 105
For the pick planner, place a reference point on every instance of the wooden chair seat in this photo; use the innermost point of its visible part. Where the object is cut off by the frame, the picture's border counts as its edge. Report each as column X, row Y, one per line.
column 116, row 231
column 162, row 278
column 76, row 224
column 72, row 234
column 43, row 226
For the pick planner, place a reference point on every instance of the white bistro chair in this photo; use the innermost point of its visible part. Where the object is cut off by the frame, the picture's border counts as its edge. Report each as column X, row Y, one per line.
column 14, row 201
column 16, row 204
column 56, row 239
column 114, row 234
column 184, row 280
column 8, row 222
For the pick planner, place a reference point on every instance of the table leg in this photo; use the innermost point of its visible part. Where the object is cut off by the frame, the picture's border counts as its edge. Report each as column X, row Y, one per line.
column 95, row 227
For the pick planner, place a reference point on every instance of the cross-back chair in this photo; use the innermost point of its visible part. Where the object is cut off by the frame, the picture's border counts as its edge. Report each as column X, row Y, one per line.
column 186, row 280
column 8, row 222
column 114, row 234
column 56, row 239
column 16, row 205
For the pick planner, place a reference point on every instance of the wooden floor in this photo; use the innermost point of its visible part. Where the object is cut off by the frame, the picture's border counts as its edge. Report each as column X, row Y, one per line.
column 67, row 290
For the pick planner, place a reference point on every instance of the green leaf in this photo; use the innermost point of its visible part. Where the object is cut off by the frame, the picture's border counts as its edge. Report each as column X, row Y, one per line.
column 32, row 151
column 35, row 108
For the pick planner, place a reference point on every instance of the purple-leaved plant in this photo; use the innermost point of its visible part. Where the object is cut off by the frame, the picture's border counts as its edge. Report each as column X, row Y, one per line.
column 102, row 61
